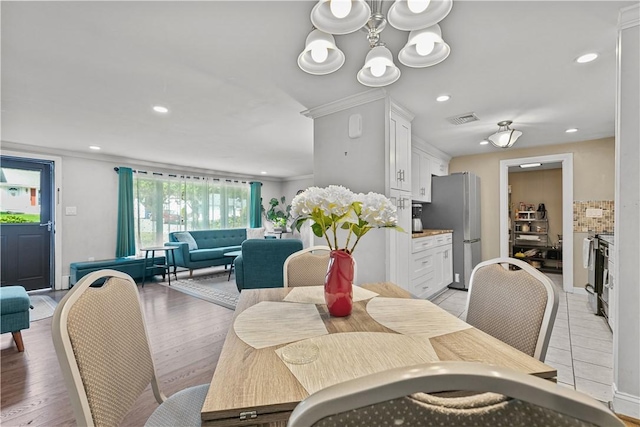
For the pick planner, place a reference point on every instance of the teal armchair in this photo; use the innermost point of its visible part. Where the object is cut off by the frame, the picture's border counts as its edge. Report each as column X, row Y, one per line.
column 261, row 262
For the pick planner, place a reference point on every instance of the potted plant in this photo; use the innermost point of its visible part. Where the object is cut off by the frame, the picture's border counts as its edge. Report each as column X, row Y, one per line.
column 277, row 214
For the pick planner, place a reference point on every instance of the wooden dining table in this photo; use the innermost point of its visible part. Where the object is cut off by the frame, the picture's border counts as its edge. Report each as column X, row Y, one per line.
column 253, row 386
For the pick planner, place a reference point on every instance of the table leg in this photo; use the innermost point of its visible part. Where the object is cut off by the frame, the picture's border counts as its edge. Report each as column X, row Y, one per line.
column 230, row 270
column 144, row 267
column 175, row 267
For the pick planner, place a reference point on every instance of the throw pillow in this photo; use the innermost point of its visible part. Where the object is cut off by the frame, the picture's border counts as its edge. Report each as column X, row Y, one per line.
column 255, row 233
column 186, row 237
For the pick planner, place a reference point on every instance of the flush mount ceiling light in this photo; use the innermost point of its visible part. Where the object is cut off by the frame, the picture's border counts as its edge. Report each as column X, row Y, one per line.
column 94, row 147
column 443, row 98
column 160, row 109
column 505, row 137
column 572, row 130
column 425, row 46
column 587, row 57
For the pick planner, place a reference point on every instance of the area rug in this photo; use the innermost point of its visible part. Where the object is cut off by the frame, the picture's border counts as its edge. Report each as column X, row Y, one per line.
column 213, row 288
column 43, row 307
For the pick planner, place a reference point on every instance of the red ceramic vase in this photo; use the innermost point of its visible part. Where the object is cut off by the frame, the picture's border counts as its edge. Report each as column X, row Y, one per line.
column 338, row 291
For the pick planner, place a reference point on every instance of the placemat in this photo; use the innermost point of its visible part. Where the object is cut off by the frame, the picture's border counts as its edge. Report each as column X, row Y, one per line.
column 271, row 323
column 345, row 356
column 414, row 316
column 315, row 294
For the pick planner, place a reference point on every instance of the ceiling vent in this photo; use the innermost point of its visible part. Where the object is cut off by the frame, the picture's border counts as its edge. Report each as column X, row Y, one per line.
column 463, row 118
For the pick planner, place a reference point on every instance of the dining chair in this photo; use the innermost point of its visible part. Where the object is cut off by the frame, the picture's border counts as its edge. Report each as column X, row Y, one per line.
column 413, row 395
column 308, row 267
column 516, row 306
column 101, row 341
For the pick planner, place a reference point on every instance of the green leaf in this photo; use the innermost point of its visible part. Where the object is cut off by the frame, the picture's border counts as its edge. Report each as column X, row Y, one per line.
column 317, row 229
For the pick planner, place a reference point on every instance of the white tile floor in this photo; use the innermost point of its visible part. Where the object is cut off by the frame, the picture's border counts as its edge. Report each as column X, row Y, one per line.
column 581, row 346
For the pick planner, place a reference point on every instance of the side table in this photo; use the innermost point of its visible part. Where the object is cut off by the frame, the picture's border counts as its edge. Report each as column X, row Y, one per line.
column 234, row 254
column 169, row 250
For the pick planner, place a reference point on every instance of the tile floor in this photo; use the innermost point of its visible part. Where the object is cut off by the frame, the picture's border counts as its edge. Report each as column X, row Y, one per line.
column 581, row 346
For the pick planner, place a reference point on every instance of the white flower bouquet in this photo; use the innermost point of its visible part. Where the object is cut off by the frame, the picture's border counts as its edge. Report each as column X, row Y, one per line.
column 336, row 207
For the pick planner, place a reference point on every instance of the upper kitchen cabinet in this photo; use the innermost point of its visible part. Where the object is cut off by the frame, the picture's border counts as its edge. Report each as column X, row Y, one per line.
column 420, row 176
column 426, row 161
column 399, row 148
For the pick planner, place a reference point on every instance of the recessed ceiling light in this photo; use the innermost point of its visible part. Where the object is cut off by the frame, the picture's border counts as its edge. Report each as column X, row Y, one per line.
column 263, row 172
column 484, row 142
column 571, row 130
column 94, row 147
column 443, row 98
column 587, row 57
column 531, row 165
column 160, row 109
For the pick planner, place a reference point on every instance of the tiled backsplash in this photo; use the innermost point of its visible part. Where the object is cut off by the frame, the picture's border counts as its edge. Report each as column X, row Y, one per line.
column 583, row 224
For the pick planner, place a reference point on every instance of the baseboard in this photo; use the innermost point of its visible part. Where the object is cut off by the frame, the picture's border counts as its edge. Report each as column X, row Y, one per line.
column 626, row 404
column 64, row 284
column 579, row 291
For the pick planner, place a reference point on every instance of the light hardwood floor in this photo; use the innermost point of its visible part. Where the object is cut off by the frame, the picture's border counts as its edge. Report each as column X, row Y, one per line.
column 186, row 337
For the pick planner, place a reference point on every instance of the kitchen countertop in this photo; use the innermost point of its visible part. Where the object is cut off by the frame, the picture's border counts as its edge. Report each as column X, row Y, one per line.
column 427, row 233
column 609, row 238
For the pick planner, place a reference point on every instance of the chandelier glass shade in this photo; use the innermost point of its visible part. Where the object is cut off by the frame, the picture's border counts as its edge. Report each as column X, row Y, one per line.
column 505, row 137
column 379, row 69
column 425, row 46
column 320, row 55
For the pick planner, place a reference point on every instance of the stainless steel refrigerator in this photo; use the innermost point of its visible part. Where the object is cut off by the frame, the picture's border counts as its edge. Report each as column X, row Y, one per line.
column 455, row 205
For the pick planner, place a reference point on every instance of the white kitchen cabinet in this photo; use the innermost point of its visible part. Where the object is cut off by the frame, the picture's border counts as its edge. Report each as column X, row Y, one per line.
column 420, row 176
column 438, row 166
column 431, row 265
column 610, row 282
column 400, row 241
column 399, row 152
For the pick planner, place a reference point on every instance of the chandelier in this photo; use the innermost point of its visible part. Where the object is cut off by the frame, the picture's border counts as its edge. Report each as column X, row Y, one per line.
column 505, row 137
column 425, row 46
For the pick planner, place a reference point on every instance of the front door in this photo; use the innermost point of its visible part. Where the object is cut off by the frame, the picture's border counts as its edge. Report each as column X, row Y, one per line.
column 26, row 223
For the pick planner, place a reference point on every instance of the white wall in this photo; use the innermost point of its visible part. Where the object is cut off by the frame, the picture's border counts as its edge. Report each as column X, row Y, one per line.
column 358, row 164
column 626, row 334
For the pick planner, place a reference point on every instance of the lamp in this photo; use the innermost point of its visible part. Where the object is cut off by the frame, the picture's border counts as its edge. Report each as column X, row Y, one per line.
column 425, row 46
column 505, row 137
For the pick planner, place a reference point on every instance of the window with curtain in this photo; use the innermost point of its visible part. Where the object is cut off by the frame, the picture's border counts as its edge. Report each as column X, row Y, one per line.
column 163, row 204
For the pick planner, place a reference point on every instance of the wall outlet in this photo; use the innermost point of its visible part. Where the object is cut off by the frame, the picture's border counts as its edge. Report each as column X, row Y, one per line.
column 91, row 258
column 593, row 213
column 457, row 278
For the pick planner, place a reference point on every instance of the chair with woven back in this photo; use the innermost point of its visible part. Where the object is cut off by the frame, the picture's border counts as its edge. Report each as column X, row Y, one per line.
column 102, row 344
column 517, row 306
column 308, row 267
column 407, row 397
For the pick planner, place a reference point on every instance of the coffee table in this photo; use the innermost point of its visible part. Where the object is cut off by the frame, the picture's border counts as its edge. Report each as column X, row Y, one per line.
column 233, row 254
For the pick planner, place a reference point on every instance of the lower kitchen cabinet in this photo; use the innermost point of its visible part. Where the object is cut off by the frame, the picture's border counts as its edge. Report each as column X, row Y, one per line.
column 431, row 265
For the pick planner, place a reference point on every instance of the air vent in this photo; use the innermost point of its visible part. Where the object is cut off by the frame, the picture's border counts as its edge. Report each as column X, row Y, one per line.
column 462, row 118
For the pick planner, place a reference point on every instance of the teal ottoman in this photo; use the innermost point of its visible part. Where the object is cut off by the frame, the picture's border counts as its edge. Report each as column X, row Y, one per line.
column 14, row 312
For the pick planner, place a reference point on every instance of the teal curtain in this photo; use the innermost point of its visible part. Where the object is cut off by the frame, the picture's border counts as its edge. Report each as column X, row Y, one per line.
column 126, row 239
column 255, row 209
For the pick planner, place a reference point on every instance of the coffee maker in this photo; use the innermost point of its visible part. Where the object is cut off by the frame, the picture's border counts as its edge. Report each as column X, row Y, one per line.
column 416, row 215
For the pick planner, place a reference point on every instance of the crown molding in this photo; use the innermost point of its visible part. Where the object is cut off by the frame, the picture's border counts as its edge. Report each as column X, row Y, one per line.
column 420, row 143
column 136, row 163
column 629, row 17
column 345, row 103
column 399, row 109
column 297, row 178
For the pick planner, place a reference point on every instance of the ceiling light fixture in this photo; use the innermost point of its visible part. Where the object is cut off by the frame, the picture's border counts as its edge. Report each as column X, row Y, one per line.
column 530, row 165
column 587, row 57
column 425, row 46
column 484, row 142
column 443, row 98
column 94, row 147
column 160, row 109
column 505, row 137
column 572, row 130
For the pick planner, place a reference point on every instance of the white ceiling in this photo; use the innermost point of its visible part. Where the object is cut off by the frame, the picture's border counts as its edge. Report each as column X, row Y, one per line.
column 76, row 74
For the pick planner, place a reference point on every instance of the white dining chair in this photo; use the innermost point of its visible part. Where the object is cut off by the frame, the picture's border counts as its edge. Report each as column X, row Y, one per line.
column 516, row 306
column 102, row 344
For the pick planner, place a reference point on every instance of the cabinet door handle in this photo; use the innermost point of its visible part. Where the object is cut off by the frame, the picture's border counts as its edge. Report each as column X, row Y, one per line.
column 398, row 175
column 402, row 175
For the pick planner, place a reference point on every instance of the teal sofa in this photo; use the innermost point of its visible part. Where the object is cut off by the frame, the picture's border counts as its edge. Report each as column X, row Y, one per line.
column 262, row 261
column 206, row 248
column 134, row 267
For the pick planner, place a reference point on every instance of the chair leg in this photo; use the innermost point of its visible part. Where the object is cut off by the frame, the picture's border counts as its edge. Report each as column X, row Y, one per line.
column 17, row 337
column 190, row 273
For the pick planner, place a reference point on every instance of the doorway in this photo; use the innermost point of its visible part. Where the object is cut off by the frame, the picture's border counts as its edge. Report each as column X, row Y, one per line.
column 27, row 217
column 566, row 161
